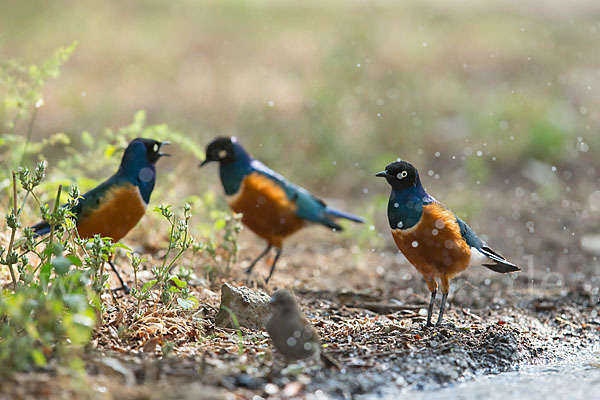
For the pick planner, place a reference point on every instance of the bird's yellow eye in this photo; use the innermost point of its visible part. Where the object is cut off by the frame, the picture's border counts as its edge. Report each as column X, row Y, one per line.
column 402, row 175
column 222, row 153
column 155, row 148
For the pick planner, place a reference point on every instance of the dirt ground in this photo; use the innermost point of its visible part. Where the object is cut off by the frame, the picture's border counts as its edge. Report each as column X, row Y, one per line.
column 382, row 352
column 371, row 321
column 368, row 306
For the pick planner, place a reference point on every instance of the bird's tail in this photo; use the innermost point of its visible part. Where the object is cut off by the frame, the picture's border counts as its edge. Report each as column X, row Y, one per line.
column 341, row 214
column 500, row 264
column 40, row 229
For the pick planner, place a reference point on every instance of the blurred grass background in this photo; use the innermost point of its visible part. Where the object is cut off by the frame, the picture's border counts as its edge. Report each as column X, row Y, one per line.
column 476, row 94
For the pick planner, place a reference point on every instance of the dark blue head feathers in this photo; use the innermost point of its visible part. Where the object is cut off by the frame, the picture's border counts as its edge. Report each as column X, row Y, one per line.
column 234, row 161
column 137, row 164
column 408, row 195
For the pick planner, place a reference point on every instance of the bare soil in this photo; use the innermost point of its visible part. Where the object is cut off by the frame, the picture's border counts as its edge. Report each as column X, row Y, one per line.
column 367, row 304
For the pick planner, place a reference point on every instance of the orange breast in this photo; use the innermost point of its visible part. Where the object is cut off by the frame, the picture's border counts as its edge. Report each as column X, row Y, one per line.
column 434, row 246
column 265, row 209
column 119, row 211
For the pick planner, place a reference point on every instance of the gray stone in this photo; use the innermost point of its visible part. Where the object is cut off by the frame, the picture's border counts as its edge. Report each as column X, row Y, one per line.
column 251, row 307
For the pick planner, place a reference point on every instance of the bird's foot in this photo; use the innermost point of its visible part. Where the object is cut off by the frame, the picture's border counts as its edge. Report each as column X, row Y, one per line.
column 123, row 288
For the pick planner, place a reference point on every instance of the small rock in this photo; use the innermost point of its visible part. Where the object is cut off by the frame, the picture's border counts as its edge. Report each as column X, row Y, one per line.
column 271, row 389
column 251, row 308
column 292, row 389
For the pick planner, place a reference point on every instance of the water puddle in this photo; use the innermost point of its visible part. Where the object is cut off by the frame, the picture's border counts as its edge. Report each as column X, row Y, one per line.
column 579, row 381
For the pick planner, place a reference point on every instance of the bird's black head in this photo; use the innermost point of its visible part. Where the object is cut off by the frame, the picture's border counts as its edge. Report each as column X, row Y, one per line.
column 400, row 175
column 221, row 149
column 152, row 148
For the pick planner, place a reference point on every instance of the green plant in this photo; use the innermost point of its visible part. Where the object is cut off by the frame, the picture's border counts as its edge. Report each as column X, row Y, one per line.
column 219, row 229
column 236, row 324
column 140, row 294
column 39, row 323
column 23, row 93
column 51, row 311
column 170, row 285
column 222, row 251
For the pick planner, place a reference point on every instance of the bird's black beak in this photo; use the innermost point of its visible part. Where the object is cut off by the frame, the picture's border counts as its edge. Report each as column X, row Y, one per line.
column 160, row 154
column 203, row 163
column 382, row 174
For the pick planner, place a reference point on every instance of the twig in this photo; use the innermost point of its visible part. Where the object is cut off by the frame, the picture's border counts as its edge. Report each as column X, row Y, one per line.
column 13, row 233
column 52, row 225
column 386, row 308
column 470, row 314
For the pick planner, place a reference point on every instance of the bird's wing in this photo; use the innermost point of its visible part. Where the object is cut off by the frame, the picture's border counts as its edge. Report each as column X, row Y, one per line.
column 93, row 198
column 468, row 234
column 308, row 206
column 88, row 202
column 496, row 262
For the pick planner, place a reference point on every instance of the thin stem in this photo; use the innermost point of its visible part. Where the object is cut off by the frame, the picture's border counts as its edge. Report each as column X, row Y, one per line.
column 52, row 225
column 181, row 251
column 172, row 264
column 139, row 294
column 170, row 244
column 13, row 233
column 36, row 199
column 23, row 203
column 101, row 272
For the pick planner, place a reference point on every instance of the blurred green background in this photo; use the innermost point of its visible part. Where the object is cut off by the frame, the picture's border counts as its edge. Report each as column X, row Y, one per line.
column 495, row 102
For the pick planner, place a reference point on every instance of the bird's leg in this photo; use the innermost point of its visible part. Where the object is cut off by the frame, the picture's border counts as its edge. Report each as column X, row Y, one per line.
column 445, row 290
column 261, row 255
column 442, row 307
column 432, row 285
column 430, row 310
column 124, row 286
column 278, row 253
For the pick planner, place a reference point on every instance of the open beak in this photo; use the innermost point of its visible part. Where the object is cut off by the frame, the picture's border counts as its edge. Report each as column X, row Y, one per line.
column 160, row 154
column 381, row 174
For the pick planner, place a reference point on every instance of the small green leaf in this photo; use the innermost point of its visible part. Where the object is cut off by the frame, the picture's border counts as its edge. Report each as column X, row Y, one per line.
column 219, row 224
column 57, row 249
column 121, row 246
column 148, row 285
column 74, row 260
column 38, row 357
column 61, row 265
column 110, row 150
column 178, row 281
column 188, row 303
